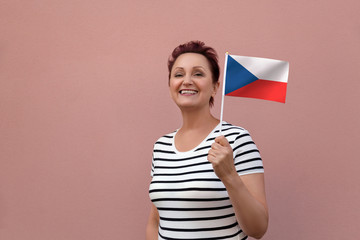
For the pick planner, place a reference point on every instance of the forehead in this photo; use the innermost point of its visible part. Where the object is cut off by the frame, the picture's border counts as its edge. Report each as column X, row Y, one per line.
column 190, row 60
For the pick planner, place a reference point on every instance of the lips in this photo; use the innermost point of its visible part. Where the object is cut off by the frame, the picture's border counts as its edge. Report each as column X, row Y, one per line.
column 188, row 92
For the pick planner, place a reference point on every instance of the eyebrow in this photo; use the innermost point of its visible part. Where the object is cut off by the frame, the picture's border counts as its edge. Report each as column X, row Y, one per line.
column 181, row 68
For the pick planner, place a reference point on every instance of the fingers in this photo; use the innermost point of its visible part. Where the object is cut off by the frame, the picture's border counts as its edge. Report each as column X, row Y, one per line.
column 220, row 155
column 222, row 141
column 211, row 156
column 219, row 149
column 214, row 157
column 215, row 146
column 214, row 152
column 217, row 153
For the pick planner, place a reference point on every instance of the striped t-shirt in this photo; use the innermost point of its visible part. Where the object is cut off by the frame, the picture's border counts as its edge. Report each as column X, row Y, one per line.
column 191, row 200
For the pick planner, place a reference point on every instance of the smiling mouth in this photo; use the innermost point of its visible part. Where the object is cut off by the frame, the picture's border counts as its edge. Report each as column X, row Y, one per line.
column 188, row 92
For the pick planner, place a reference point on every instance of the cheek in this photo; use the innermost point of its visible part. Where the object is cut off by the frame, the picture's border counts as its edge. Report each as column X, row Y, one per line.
column 174, row 84
column 171, row 86
column 172, row 89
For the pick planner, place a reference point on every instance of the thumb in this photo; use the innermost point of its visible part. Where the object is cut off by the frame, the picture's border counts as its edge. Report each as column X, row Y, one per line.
column 222, row 141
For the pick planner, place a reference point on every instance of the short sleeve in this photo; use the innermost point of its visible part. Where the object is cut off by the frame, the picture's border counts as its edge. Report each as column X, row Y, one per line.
column 247, row 157
column 152, row 166
column 162, row 146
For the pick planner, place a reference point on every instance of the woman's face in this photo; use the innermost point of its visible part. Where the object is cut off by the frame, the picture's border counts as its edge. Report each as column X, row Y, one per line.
column 191, row 83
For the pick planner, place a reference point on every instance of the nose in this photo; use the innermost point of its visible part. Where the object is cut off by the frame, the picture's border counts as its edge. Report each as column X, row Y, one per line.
column 187, row 80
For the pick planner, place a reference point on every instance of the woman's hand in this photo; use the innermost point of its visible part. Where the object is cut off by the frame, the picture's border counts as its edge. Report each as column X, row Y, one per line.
column 221, row 157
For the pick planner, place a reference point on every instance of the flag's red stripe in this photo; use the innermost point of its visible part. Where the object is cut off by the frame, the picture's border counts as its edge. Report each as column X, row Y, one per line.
column 262, row 89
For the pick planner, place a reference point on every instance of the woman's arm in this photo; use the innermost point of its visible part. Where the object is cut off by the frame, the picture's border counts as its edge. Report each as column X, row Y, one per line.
column 247, row 193
column 153, row 224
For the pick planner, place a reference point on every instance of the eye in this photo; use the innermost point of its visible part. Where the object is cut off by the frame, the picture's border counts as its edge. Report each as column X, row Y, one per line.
column 178, row 75
column 198, row 74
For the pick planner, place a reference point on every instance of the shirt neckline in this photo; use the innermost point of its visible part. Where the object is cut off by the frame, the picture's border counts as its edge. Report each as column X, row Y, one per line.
column 196, row 147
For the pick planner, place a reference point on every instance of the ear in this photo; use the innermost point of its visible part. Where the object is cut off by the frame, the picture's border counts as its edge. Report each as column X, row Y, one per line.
column 216, row 87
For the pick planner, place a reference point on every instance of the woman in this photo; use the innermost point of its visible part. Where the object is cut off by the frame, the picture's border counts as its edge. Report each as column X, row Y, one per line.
column 204, row 186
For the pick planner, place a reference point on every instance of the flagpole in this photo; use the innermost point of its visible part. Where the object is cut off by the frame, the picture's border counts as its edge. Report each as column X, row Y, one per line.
column 223, row 92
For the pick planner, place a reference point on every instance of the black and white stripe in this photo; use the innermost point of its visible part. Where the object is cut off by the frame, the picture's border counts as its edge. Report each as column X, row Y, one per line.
column 191, row 200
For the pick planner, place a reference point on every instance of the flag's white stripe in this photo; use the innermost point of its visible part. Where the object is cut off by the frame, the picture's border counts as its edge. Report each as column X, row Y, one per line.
column 265, row 68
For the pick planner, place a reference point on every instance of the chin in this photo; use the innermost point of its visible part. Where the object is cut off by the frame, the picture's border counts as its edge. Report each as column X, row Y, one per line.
column 190, row 106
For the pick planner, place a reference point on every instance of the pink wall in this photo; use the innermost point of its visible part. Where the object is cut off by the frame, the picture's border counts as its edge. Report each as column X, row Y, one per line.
column 83, row 97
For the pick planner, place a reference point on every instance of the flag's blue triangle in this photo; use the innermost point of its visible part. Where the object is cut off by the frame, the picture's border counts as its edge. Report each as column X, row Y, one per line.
column 237, row 76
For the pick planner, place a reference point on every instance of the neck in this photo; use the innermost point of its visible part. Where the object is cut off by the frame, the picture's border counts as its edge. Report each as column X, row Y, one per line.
column 198, row 119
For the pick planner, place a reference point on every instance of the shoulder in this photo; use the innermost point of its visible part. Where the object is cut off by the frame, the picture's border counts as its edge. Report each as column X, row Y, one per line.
column 231, row 131
column 231, row 127
column 164, row 144
column 166, row 139
column 237, row 136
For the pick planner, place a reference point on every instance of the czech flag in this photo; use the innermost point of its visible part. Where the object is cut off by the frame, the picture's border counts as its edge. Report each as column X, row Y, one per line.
column 253, row 77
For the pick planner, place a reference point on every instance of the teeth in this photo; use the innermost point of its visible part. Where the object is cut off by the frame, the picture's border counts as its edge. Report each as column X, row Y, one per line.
column 188, row 92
